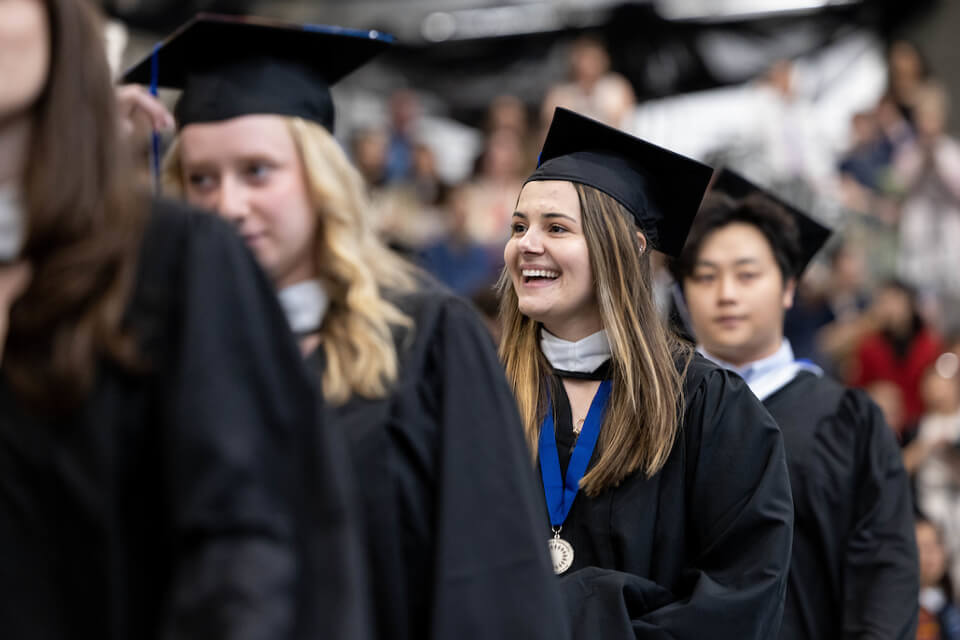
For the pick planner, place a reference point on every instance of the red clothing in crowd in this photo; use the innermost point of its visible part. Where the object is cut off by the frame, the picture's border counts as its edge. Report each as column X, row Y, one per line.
column 928, row 627
column 876, row 360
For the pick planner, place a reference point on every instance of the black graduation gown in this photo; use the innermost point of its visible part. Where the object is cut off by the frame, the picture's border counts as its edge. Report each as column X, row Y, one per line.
column 453, row 521
column 854, row 568
column 702, row 548
column 187, row 501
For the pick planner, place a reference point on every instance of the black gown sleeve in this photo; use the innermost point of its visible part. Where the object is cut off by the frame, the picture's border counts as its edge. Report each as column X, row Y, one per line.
column 880, row 567
column 739, row 516
column 492, row 576
column 251, row 485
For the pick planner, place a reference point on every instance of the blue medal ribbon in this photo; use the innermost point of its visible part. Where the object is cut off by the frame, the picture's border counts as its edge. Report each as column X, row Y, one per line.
column 560, row 492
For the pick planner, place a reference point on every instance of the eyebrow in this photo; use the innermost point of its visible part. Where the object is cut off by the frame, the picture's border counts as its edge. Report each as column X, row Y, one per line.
column 519, row 214
column 233, row 158
column 739, row 263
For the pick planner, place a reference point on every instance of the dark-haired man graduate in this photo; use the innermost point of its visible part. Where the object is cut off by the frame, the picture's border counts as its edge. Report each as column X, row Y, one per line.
column 853, row 572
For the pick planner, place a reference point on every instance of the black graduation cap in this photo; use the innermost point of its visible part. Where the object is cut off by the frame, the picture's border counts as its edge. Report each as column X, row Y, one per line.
column 813, row 235
column 662, row 189
column 229, row 66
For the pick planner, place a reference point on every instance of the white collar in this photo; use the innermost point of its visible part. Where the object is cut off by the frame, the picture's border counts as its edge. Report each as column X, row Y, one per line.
column 305, row 304
column 933, row 599
column 13, row 223
column 768, row 375
column 582, row 356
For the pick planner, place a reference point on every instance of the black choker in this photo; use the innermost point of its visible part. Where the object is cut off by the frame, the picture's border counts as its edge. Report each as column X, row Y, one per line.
column 600, row 373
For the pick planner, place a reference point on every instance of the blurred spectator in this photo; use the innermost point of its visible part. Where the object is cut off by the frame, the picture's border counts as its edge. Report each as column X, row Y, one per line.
column 894, row 126
column 824, row 320
column 931, row 455
column 404, row 120
column 899, row 348
column 457, row 260
column 368, row 148
column 866, row 170
column 509, row 112
column 907, row 71
column 889, row 398
column 430, row 188
column 794, row 142
column 934, row 454
column 593, row 89
column 939, row 617
column 928, row 171
column 493, row 191
column 868, row 160
column 407, row 214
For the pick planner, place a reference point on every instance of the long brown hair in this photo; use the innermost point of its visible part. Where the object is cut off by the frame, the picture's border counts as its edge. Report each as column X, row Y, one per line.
column 646, row 402
column 84, row 223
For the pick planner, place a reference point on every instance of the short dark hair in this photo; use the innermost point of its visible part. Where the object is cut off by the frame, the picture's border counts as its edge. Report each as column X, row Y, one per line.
column 768, row 217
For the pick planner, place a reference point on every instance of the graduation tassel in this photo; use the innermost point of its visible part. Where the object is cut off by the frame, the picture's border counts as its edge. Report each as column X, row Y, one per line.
column 154, row 136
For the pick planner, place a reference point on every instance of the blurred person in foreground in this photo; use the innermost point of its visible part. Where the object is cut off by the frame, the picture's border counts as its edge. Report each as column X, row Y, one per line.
column 407, row 370
column 155, row 451
column 853, row 571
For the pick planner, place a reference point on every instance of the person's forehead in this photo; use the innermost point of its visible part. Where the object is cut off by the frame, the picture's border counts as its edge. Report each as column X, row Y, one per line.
column 242, row 135
column 734, row 242
column 539, row 195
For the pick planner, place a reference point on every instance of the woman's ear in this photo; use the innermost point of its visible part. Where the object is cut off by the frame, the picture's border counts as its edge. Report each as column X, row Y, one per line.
column 642, row 239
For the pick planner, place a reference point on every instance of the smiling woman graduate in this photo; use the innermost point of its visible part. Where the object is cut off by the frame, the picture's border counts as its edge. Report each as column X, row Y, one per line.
column 410, row 375
column 664, row 478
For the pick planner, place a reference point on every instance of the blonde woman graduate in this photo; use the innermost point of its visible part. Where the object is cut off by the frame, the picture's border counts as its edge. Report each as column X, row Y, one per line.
column 445, row 493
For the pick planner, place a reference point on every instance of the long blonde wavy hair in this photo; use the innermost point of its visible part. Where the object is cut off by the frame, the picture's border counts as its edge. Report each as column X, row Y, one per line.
column 356, row 268
column 646, row 403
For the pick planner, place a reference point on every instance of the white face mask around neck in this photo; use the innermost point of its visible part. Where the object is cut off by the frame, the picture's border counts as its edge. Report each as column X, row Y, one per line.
column 305, row 305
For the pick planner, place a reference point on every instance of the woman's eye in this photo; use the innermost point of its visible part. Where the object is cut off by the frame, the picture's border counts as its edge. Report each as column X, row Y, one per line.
column 259, row 170
column 518, row 227
column 748, row 275
column 703, row 278
column 556, row 228
column 200, row 181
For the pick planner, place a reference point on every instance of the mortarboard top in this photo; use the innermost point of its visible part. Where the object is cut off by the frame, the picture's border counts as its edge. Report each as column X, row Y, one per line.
column 229, row 66
column 662, row 189
column 813, row 235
